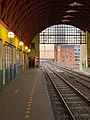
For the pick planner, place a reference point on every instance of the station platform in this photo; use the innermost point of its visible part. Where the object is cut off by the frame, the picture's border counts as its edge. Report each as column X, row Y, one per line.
column 26, row 98
column 85, row 71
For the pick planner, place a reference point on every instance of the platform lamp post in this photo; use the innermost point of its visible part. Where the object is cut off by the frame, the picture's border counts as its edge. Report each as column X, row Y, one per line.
column 11, row 36
column 21, row 53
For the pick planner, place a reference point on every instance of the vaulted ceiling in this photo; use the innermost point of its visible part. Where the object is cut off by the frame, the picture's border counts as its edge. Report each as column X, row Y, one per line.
column 26, row 18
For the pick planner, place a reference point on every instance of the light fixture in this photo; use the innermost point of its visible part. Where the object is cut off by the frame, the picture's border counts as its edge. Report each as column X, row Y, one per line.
column 68, row 16
column 58, row 49
column 66, row 20
column 29, row 50
column 20, row 43
column 10, row 34
column 26, row 48
column 71, row 11
column 75, row 4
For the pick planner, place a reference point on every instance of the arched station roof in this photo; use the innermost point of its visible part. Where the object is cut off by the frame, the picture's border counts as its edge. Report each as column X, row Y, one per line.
column 26, row 18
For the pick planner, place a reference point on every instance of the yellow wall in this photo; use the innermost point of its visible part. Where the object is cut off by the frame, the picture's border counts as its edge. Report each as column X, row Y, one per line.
column 23, row 58
column 3, row 33
column 4, row 36
column 35, row 52
column 15, row 41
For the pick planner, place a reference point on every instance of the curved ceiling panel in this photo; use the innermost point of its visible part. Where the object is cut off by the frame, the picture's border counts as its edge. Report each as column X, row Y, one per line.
column 28, row 17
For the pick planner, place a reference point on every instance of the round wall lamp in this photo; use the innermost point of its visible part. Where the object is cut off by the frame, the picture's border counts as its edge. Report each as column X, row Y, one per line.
column 26, row 48
column 10, row 34
column 20, row 43
column 29, row 50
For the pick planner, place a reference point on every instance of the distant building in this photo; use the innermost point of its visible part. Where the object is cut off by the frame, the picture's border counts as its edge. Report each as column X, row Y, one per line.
column 68, row 55
column 61, row 36
column 77, row 53
column 46, row 52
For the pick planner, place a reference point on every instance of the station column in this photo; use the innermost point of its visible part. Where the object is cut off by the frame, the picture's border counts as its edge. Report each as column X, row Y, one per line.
column 85, row 54
column 88, row 49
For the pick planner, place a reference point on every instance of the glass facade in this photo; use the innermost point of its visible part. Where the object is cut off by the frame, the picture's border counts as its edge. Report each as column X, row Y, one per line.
column 62, row 34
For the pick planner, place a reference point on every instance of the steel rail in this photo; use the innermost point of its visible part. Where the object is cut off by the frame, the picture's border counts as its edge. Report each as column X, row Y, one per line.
column 77, row 91
column 72, row 72
column 65, row 104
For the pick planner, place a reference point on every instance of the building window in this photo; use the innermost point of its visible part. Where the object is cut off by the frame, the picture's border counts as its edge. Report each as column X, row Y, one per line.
column 19, row 57
column 8, row 56
column 77, row 59
column 77, row 56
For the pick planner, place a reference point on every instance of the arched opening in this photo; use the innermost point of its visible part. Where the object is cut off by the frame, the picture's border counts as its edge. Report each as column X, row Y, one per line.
column 61, row 43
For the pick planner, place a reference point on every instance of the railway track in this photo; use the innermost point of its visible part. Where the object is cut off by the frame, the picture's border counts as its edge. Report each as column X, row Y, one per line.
column 76, row 104
column 82, row 85
column 80, row 75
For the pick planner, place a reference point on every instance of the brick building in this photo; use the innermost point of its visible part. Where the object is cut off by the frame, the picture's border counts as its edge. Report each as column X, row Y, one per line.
column 68, row 55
